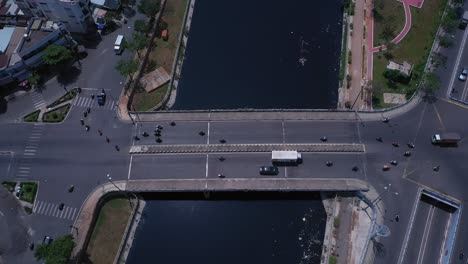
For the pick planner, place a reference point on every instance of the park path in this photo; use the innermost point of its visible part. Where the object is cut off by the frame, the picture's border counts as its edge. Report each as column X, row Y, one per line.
column 396, row 40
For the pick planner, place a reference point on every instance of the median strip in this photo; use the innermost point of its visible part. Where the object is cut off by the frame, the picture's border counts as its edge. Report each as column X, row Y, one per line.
column 221, row 148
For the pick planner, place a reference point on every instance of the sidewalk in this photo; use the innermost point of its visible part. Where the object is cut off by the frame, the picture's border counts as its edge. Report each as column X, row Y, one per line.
column 85, row 215
column 355, row 94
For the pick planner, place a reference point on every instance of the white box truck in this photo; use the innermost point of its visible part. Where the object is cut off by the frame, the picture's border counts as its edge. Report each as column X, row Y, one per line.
column 118, row 46
column 286, row 156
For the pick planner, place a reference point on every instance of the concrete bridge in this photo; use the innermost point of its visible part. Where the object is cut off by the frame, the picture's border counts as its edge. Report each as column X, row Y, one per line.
column 222, row 148
column 245, row 184
column 272, row 114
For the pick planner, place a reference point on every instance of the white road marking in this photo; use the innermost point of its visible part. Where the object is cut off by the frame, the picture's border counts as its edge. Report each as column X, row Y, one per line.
column 1, row 213
column 206, row 176
column 284, row 133
column 73, row 216
column 130, row 167
column 208, row 134
column 427, row 228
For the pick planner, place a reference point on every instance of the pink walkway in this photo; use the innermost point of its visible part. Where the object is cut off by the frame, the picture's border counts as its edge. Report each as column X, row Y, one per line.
column 397, row 39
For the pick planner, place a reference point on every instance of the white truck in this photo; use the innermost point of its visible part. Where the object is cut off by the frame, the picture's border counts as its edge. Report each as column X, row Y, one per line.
column 286, row 156
column 119, row 44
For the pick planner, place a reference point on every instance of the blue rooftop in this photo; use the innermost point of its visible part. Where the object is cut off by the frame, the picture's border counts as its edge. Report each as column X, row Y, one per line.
column 5, row 36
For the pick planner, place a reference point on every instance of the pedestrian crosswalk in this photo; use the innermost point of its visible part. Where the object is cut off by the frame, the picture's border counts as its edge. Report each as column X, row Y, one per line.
column 23, row 170
column 87, row 101
column 52, row 210
column 38, row 99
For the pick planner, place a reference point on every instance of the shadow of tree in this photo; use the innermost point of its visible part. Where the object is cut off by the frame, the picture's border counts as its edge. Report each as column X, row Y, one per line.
column 429, row 97
column 68, row 76
column 379, row 249
column 3, row 105
column 81, row 258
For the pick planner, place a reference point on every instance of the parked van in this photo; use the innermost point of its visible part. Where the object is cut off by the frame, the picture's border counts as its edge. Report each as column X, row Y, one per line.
column 118, row 46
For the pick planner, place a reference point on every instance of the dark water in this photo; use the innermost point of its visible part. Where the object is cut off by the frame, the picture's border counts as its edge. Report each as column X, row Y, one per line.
column 245, row 54
column 228, row 230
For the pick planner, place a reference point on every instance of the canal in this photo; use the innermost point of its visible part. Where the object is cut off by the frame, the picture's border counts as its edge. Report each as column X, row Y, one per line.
column 262, row 54
column 230, row 228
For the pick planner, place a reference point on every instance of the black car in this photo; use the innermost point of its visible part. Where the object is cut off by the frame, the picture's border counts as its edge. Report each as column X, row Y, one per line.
column 269, row 170
column 101, row 98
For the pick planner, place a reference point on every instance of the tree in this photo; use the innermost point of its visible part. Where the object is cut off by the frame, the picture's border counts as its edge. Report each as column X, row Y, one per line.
column 438, row 59
column 430, row 83
column 149, row 7
column 34, row 79
column 140, row 25
column 57, row 252
column 138, row 42
column 127, row 67
column 445, row 41
column 388, row 31
column 55, row 55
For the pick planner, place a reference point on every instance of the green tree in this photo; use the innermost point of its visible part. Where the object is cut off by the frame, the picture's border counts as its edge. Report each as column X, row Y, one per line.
column 149, row 7
column 127, row 67
column 438, row 60
column 34, row 79
column 140, row 25
column 430, row 82
column 138, row 42
column 55, row 55
column 58, row 252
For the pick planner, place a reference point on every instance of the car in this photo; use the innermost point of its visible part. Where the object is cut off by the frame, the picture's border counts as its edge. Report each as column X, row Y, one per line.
column 463, row 74
column 101, row 98
column 47, row 240
column 269, row 170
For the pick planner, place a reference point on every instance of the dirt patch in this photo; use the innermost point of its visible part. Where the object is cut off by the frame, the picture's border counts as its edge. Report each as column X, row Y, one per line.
column 108, row 231
column 163, row 52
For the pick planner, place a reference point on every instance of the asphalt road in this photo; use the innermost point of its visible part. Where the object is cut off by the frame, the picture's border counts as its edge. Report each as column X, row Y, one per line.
column 427, row 237
column 57, row 155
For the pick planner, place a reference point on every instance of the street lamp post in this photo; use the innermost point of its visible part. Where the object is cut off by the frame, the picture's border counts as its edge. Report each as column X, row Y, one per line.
column 110, row 180
column 126, row 192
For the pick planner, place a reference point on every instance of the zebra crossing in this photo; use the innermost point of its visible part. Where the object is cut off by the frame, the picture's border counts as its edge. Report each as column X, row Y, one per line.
column 52, row 210
column 87, row 101
column 38, row 99
column 23, row 169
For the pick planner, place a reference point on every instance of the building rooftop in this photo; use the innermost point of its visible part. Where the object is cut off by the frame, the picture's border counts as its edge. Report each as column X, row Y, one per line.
column 404, row 68
column 5, row 36
column 13, row 45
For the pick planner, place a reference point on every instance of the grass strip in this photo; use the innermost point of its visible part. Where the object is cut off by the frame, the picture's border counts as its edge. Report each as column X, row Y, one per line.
column 32, row 117
column 109, row 230
column 29, row 191
column 145, row 101
column 56, row 115
column 68, row 96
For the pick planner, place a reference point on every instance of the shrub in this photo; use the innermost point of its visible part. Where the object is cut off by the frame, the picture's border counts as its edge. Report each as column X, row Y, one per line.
column 395, row 76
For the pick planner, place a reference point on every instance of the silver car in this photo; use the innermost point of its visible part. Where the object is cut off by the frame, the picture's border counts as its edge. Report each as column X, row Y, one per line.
column 463, row 74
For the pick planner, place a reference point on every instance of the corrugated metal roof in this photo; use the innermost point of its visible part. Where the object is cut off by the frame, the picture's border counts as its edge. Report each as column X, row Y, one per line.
column 5, row 36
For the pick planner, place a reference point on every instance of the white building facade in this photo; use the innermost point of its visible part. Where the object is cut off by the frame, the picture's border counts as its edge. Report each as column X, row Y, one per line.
column 74, row 14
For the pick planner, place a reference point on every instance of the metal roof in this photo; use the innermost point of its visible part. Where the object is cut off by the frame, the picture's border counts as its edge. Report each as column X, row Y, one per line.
column 5, row 36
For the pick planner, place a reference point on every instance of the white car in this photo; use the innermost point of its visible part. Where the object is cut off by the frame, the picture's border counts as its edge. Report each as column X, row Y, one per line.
column 463, row 74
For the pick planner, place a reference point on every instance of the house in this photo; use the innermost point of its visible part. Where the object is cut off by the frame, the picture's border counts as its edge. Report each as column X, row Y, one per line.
column 22, row 47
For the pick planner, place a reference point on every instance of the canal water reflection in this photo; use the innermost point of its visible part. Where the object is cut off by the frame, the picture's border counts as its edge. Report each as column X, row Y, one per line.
column 262, row 54
column 232, row 228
